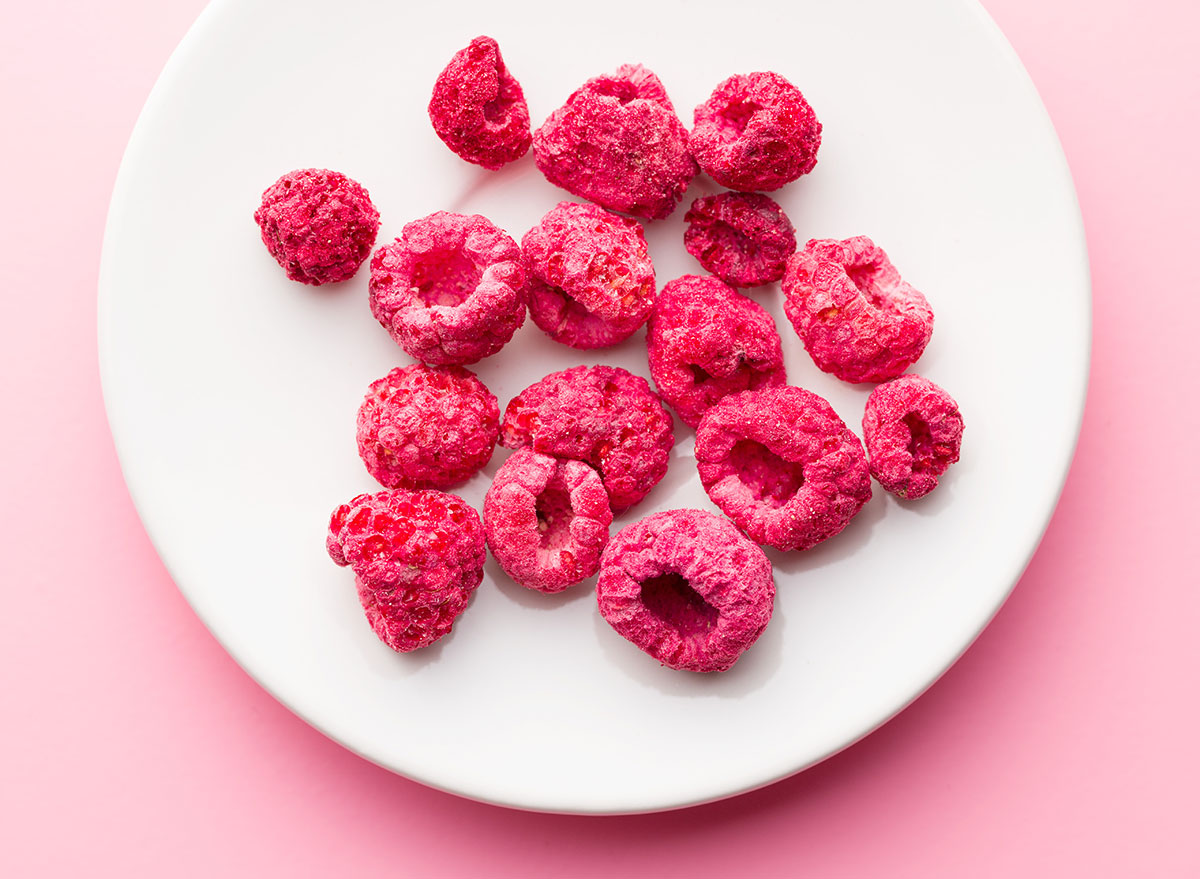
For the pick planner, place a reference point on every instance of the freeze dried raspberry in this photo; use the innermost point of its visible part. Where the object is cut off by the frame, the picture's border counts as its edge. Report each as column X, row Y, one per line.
column 755, row 132
column 478, row 108
column 855, row 316
column 603, row 415
column 416, row 556
column 618, row 142
column 319, row 225
column 913, row 431
column 687, row 588
column 427, row 427
column 707, row 341
column 743, row 238
column 591, row 282
column 782, row 465
column 546, row 520
column 450, row 289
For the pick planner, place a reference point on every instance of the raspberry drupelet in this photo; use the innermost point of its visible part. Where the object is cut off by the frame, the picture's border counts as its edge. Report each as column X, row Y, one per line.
column 591, row 282
column 478, row 109
column 427, row 427
column 318, row 224
column 619, row 143
column 755, row 133
column 857, row 319
column 913, row 431
column 744, row 238
column 417, row 557
column 450, row 289
column 706, row 341
column 685, row 587
column 602, row 415
column 546, row 520
column 782, row 465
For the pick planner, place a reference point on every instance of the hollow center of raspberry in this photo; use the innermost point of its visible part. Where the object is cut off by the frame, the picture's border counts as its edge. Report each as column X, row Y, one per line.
column 554, row 514
column 920, row 444
column 865, row 278
column 671, row 598
column 736, row 116
column 699, row 374
column 623, row 90
column 769, row 478
column 446, row 278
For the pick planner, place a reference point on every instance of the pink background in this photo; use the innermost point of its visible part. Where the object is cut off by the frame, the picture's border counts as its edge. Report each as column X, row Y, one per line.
column 1064, row 743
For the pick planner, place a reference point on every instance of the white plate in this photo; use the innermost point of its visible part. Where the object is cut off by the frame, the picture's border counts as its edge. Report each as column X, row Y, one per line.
column 232, row 391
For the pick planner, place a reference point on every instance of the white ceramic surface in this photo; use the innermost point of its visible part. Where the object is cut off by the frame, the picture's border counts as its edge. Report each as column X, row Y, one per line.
column 232, row 391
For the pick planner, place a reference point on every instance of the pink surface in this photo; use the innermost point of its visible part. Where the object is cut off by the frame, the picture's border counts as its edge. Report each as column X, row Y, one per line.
column 1064, row 743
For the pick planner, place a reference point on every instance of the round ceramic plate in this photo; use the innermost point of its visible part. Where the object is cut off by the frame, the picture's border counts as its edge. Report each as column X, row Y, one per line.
column 232, row 391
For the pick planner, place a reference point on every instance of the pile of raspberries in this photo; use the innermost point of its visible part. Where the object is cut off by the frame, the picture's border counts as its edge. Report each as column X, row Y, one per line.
column 690, row 588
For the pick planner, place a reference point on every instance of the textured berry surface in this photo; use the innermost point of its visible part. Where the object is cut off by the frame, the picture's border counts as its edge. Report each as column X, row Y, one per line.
column 546, row 520
column 602, row 415
column 755, row 133
column 856, row 317
column 744, row 238
column 686, row 588
column 416, row 556
column 450, row 289
column 913, row 431
column 706, row 341
column 427, row 427
column 319, row 225
column 783, row 466
column 618, row 142
column 478, row 108
column 591, row 282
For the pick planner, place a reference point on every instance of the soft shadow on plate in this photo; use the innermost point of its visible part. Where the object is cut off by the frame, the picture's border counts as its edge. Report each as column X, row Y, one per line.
column 849, row 542
column 532, row 598
column 753, row 669
column 485, row 180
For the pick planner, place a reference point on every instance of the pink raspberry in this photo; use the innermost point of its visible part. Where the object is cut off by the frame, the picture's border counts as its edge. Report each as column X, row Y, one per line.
column 855, row 316
column 756, row 132
column 602, row 415
column 591, row 282
column 782, row 465
column 618, row 142
column 914, row 432
column 687, row 588
column 743, row 238
column 478, row 109
column 416, row 556
column 547, row 520
column 450, row 289
column 319, row 225
column 707, row 341
column 427, row 427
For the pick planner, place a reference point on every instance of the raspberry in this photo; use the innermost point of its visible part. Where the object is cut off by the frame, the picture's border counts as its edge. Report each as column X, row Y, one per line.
column 756, row 132
column 427, row 427
column 546, row 520
column 782, row 465
column 685, row 587
column 914, row 432
column 416, row 556
column 591, row 282
column 478, row 109
column 450, row 289
column 855, row 316
column 602, row 415
column 319, row 225
column 618, row 142
column 707, row 341
column 743, row 238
